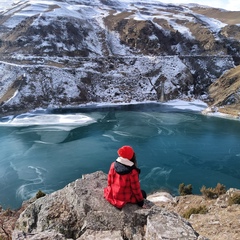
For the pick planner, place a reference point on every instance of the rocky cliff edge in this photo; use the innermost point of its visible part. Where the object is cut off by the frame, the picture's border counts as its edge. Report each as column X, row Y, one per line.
column 79, row 211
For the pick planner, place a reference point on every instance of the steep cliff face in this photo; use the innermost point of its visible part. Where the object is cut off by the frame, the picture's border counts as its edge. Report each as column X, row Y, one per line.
column 62, row 53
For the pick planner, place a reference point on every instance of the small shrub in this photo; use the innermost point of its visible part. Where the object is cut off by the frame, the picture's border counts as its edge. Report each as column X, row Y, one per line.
column 220, row 189
column 40, row 194
column 208, row 192
column 199, row 210
column 234, row 199
column 213, row 193
column 185, row 190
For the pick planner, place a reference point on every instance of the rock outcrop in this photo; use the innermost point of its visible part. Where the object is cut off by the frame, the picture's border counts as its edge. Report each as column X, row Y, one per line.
column 79, row 211
column 220, row 222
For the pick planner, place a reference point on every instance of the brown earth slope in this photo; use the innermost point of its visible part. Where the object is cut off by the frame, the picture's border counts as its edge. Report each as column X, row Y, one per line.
column 228, row 17
column 225, row 92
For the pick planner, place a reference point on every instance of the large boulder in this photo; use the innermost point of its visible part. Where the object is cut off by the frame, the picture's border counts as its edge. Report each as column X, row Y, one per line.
column 79, row 211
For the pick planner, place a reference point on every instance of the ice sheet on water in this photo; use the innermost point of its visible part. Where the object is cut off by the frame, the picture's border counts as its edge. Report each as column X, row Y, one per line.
column 47, row 134
column 195, row 105
column 30, row 173
column 111, row 137
column 157, row 172
column 48, row 119
column 145, row 125
column 50, row 128
column 32, row 176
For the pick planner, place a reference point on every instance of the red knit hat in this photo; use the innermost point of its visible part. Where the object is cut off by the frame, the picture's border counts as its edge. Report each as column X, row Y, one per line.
column 126, row 152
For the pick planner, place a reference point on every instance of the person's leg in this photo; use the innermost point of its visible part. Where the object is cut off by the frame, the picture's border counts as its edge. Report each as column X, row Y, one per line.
column 144, row 194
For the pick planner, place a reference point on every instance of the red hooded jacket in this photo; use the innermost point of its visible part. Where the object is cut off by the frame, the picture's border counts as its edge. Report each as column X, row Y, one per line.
column 123, row 184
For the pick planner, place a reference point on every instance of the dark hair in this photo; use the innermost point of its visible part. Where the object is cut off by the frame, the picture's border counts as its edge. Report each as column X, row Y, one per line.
column 134, row 160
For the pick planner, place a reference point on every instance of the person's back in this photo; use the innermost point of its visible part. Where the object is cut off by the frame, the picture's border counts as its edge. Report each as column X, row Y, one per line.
column 123, row 180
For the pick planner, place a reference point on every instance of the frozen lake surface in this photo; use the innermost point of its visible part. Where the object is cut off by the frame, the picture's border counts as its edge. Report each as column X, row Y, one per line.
column 46, row 150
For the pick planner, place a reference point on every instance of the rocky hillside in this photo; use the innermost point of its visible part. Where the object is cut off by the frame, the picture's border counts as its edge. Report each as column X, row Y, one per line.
column 79, row 211
column 61, row 53
column 225, row 92
column 219, row 222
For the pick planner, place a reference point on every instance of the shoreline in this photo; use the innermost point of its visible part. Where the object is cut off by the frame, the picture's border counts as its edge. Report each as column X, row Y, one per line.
column 214, row 112
column 195, row 105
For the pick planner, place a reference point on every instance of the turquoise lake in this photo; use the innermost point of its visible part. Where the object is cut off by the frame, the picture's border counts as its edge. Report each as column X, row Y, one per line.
column 47, row 149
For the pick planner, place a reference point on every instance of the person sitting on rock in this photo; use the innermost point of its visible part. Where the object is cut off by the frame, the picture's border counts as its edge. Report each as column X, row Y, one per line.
column 123, row 180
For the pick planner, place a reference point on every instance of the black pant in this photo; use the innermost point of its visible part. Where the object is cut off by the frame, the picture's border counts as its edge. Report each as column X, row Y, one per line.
column 144, row 194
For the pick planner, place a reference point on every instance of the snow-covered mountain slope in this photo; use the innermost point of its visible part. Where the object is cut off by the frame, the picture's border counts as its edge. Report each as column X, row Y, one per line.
column 69, row 52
